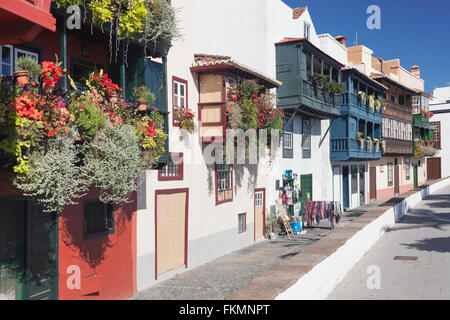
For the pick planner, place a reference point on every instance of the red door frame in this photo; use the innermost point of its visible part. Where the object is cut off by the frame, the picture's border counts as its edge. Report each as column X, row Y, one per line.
column 264, row 213
column 169, row 191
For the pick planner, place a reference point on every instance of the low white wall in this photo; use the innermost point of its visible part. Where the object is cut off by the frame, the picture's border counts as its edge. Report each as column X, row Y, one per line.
column 321, row 280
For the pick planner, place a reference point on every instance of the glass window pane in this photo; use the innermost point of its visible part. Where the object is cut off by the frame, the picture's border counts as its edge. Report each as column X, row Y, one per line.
column 6, row 55
column 182, row 87
column 6, row 70
column 354, row 179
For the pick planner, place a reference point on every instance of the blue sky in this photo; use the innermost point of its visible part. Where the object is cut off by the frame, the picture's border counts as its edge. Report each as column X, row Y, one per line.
column 416, row 31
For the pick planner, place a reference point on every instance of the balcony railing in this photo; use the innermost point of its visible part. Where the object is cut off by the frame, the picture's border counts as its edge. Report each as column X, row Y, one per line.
column 353, row 101
column 398, row 146
column 319, row 94
column 395, row 109
column 346, row 148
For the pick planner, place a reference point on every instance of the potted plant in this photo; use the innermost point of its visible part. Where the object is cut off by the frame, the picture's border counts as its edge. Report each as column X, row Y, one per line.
column 363, row 96
column 383, row 145
column 376, row 142
column 143, row 97
column 320, row 79
column 369, row 143
column 359, row 137
column 27, row 68
column 272, row 226
column 185, row 117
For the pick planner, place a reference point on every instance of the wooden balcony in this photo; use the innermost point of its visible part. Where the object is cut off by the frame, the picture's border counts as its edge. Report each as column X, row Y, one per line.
column 23, row 20
column 350, row 149
column 354, row 106
column 398, row 111
column 398, row 146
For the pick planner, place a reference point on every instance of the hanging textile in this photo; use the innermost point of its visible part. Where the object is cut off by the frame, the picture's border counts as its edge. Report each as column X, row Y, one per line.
column 316, row 211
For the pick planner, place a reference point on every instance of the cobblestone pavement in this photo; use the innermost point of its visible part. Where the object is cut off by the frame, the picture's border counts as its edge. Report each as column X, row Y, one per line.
column 423, row 233
column 219, row 278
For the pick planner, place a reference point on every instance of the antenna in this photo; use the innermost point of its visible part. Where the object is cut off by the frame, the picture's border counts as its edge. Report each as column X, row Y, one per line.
column 356, row 41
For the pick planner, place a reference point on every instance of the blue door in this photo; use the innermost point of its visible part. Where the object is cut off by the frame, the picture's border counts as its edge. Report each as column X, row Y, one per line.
column 345, row 191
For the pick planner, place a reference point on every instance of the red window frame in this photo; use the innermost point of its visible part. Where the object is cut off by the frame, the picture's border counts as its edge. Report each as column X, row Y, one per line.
column 216, row 189
column 174, row 123
column 180, row 169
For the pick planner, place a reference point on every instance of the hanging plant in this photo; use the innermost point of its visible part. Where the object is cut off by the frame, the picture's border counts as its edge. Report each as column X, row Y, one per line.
column 360, row 138
column 369, row 143
column 53, row 177
column 377, row 105
column 383, row 146
column 363, row 96
column 372, row 103
column 320, row 79
column 160, row 23
column 185, row 117
column 376, row 142
column 112, row 162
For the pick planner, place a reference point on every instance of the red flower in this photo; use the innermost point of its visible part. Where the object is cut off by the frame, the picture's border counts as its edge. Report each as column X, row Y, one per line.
column 80, row 107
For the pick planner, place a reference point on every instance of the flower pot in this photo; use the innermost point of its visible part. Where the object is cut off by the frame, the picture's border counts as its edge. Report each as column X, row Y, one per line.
column 142, row 106
column 21, row 76
column 47, row 87
column 114, row 99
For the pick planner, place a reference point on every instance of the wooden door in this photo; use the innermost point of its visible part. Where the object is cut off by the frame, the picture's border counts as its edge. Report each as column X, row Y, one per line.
column 11, row 249
column 373, row 183
column 306, row 188
column 396, row 179
column 434, row 168
column 41, row 254
column 260, row 214
column 171, row 230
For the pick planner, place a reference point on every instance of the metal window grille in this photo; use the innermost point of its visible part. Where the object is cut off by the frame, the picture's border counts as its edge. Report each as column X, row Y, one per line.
column 98, row 218
column 170, row 169
column 241, row 223
column 223, row 172
column 437, row 134
column 288, row 145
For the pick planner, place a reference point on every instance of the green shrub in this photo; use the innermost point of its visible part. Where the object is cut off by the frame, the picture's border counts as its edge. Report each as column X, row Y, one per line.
column 88, row 116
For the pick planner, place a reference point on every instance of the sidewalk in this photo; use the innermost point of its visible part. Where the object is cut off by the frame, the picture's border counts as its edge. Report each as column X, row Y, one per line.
column 421, row 243
column 225, row 277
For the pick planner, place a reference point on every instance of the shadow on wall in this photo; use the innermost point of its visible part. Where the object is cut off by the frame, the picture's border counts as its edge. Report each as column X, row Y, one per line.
column 142, row 191
column 91, row 251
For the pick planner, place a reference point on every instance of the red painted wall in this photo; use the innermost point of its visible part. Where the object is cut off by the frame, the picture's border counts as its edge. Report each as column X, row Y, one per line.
column 50, row 44
column 107, row 264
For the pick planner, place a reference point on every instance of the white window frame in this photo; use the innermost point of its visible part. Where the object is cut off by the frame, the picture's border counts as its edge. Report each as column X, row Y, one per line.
column 178, row 96
column 11, row 66
column 415, row 103
column 224, row 180
column 306, row 30
column 259, row 197
column 27, row 53
column 390, row 172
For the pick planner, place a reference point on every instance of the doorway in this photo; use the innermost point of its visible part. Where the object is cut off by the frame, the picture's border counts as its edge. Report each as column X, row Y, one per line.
column 396, row 180
column 306, row 188
column 28, row 251
column 171, row 222
column 373, row 183
column 260, row 213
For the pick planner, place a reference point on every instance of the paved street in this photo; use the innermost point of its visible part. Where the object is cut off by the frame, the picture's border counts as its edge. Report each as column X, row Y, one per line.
column 423, row 233
column 220, row 278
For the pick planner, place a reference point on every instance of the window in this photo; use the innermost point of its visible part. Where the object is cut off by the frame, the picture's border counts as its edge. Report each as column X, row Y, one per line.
column 173, row 170
column 401, row 99
column 224, row 183
column 6, row 60
column 180, row 96
column 306, row 139
column 355, row 87
column 415, row 104
column 288, row 145
column 98, row 219
column 308, row 65
column 306, row 30
column 407, row 168
column 25, row 53
column 425, row 103
column 390, row 174
column 259, row 199
column 80, row 71
column 437, row 134
column 242, row 222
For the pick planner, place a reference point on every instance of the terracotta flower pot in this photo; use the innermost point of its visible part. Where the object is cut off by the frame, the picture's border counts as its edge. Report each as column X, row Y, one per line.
column 47, row 87
column 21, row 76
column 114, row 99
column 142, row 106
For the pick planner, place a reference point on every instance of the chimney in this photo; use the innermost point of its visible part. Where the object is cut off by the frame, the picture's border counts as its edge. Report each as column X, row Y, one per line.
column 297, row 12
column 342, row 40
column 415, row 70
